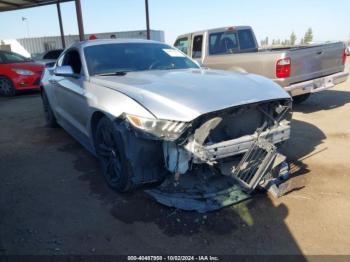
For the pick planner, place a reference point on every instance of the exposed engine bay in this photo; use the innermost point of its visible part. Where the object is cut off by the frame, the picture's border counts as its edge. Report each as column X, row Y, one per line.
column 224, row 156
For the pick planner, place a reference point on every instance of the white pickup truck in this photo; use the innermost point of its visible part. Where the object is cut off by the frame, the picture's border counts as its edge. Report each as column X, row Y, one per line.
column 300, row 70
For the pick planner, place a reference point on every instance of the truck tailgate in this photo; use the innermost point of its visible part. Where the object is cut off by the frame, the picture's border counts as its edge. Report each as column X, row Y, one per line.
column 314, row 62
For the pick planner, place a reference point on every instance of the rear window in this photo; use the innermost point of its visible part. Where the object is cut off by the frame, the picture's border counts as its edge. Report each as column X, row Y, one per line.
column 231, row 42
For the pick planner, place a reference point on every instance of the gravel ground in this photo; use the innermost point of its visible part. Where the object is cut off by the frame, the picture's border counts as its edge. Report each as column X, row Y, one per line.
column 53, row 200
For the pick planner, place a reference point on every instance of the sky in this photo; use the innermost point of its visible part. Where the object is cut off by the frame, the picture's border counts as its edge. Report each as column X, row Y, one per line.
column 276, row 19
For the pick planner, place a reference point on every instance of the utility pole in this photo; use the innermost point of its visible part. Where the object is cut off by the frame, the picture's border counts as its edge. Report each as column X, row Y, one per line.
column 147, row 21
column 61, row 24
column 80, row 20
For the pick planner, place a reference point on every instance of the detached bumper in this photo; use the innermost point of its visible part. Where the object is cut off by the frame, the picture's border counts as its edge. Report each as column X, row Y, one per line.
column 317, row 85
column 211, row 153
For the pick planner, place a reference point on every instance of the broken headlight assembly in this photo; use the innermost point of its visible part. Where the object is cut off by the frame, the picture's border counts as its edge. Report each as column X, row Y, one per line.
column 163, row 129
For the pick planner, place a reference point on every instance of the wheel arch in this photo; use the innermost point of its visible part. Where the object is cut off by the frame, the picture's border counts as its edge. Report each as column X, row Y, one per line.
column 8, row 78
column 11, row 81
column 95, row 118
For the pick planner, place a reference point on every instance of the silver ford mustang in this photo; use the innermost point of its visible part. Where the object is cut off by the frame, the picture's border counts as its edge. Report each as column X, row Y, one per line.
column 149, row 112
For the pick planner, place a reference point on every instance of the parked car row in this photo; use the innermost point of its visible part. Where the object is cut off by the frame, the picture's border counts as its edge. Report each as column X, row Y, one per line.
column 150, row 113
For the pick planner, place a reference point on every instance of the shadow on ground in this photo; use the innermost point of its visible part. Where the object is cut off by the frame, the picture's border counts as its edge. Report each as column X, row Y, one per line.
column 325, row 100
column 255, row 226
column 257, row 216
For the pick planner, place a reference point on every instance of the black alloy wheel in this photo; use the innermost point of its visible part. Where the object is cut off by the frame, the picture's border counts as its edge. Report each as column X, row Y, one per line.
column 110, row 152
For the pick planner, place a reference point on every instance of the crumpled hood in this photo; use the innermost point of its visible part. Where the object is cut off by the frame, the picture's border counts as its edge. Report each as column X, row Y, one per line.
column 183, row 95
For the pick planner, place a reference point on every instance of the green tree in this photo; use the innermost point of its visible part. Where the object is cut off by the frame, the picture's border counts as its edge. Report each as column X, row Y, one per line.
column 308, row 36
column 292, row 39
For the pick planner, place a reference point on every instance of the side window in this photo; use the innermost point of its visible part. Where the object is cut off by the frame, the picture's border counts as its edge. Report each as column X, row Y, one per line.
column 197, row 46
column 182, row 44
column 72, row 58
column 223, row 43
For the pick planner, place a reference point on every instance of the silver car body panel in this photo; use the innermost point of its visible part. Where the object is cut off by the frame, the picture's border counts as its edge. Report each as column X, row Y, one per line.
column 180, row 95
column 183, row 95
column 186, row 95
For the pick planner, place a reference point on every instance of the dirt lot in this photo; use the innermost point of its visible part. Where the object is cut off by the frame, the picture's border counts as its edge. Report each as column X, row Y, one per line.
column 53, row 199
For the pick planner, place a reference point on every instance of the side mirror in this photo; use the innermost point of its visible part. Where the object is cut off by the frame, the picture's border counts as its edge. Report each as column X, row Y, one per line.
column 64, row 71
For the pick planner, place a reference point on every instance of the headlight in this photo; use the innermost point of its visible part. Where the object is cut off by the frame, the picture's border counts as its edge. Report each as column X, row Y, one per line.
column 165, row 129
column 24, row 72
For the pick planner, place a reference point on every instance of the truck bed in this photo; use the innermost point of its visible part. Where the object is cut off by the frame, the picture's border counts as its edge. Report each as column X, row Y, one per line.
column 307, row 62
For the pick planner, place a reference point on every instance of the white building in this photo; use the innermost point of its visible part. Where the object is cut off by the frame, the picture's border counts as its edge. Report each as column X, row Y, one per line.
column 36, row 45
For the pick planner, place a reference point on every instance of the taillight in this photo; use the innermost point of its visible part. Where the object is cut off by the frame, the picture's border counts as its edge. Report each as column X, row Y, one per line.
column 344, row 56
column 283, row 67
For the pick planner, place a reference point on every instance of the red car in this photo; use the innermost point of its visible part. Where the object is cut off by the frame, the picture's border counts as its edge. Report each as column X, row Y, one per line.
column 18, row 73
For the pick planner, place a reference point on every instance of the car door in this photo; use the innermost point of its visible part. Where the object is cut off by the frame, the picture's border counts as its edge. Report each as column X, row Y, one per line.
column 71, row 102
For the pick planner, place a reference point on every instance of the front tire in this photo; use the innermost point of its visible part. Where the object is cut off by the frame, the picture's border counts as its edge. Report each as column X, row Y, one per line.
column 110, row 151
column 6, row 87
column 301, row 98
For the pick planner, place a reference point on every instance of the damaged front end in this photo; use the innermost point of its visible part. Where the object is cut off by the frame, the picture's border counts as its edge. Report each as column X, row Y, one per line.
column 227, row 155
column 223, row 156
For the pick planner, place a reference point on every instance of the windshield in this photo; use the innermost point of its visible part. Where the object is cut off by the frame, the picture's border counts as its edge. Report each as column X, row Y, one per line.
column 232, row 42
column 126, row 57
column 10, row 58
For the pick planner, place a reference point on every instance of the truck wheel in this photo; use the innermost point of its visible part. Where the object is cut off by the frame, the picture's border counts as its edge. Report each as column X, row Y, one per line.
column 6, row 87
column 301, row 98
column 110, row 151
column 49, row 115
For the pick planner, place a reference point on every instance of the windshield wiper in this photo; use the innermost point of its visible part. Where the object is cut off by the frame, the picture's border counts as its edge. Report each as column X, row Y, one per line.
column 117, row 73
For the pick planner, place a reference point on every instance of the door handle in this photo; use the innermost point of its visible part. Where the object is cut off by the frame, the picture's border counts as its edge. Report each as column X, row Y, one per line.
column 319, row 52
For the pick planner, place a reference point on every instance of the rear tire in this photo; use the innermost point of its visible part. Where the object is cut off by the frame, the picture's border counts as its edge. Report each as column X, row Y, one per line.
column 49, row 115
column 110, row 150
column 6, row 87
column 301, row 98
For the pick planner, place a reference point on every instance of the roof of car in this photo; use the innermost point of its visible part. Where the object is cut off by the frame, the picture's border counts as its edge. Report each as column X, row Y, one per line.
column 238, row 27
column 112, row 41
